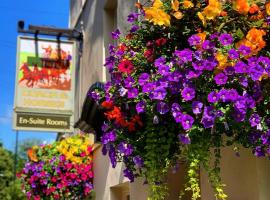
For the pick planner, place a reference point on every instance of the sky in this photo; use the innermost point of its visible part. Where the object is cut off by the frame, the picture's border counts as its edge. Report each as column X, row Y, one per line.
column 36, row 12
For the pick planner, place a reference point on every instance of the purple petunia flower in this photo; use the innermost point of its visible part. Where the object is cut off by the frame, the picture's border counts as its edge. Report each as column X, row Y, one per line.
column 184, row 55
column 138, row 161
column 188, row 93
column 125, row 148
column 186, row 121
column 115, row 34
column 243, row 81
column 109, row 63
column 94, row 95
column 160, row 61
column 209, row 112
column 265, row 62
column 140, row 107
column 198, row 65
column 239, row 115
column 175, row 76
column 233, row 54
column 240, row 103
column 128, row 82
column 210, row 64
column 208, row 122
column 229, row 71
column 159, row 93
column 176, row 112
column 213, row 97
column 108, row 137
column 232, row 95
column 148, row 87
column 197, row 107
column 225, row 39
column 132, row 17
column 259, row 151
column 244, row 50
column 164, row 69
column 208, row 45
column 184, row 138
column 214, row 36
column 220, row 79
column 252, row 61
column 122, row 91
column 132, row 93
column 194, row 40
column 266, row 138
column 129, row 174
column 256, row 72
column 134, row 28
column 143, row 78
column 254, row 120
column 162, row 107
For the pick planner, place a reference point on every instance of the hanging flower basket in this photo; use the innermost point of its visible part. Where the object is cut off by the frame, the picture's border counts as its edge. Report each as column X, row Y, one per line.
column 188, row 77
column 62, row 170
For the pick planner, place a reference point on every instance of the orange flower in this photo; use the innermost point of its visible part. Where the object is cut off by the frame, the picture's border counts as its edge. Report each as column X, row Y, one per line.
column 254, row 9
column 188, row 4
column 178, row 15
column 267, row 8
column 223, row 13
column 242, row 6
column 32, row 155
column 255, row 37
column 202, row 35
column 254, row 40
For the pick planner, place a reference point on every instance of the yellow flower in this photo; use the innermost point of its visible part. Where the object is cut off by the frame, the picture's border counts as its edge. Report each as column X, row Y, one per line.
column 156, row 15
column 188, row 4
column 213, row 9
column 222, row 60
column 175, row 5
column 157, row 4
column 202, row 18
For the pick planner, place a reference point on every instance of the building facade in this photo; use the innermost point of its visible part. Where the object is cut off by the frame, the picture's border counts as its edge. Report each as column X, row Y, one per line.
column 246, row 177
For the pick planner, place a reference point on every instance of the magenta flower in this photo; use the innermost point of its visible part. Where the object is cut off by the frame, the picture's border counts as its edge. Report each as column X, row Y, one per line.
column 254, row 120
column 187, row 121
column 221, row 79
column 197, row 107
column 188, row 93
column 213, row 97
column 184, row 138
column 159, row 93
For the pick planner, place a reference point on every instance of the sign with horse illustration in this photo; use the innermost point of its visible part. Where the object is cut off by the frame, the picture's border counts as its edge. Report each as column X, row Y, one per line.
column 44, row 82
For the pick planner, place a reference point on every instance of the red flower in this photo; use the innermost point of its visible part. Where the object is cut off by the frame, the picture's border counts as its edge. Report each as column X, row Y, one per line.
column 107, row 105
column 161, row 41
column 125, row 66
column 122, row 47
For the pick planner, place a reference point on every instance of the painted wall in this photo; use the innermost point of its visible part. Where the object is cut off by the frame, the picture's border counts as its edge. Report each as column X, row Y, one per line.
column 246, row 177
